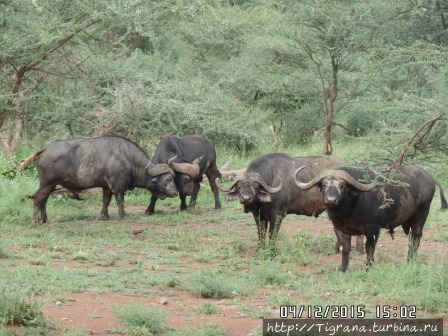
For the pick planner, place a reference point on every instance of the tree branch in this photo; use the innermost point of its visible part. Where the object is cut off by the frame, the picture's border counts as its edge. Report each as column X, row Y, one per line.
column 429, row 124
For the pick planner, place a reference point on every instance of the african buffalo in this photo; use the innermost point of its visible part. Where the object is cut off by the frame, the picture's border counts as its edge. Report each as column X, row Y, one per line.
column 190, row 157
column 113, row 163
column 267, row 190
column 359, row 209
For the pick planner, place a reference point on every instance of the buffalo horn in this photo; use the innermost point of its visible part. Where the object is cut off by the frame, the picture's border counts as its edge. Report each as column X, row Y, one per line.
column 191, row 169
column 350, row 180
column 308, row 185
column 224, row 188
column 272, row 190
column 341, row 174
column 159, row 169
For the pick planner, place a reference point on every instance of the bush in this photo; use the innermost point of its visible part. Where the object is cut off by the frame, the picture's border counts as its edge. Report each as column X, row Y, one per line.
column 301, row 123
column 359, row 123
column 143, row 321
column 208, row 308
column 210, row 283
column 17, row 308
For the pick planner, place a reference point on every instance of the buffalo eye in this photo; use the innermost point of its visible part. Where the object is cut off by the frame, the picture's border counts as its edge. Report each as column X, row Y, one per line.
column 325, row 184
column 169, row 178
column 186, row 179
column 342, row 185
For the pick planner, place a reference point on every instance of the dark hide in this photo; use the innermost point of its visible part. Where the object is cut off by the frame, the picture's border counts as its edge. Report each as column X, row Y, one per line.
column 271, row 208
column 187, row 149
column 355, row 212
column 112, row 163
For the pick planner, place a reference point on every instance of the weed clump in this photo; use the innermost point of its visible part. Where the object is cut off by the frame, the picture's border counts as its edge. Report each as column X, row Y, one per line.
column 211, row 284
column 208, row 308
column 143, row 321
column 17, row 308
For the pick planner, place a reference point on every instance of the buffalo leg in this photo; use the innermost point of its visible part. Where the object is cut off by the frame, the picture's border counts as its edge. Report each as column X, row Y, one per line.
column 212, row 173
column 338, row 245
column 261, row 229
column 119, row 197
column 107, row 196
column 183, row 201
column 152, row 205
column 345, row 240
column 359, row 244
column 274, row 226
column 371, row 240
column 40, row 202
column 416, row 223
column 414, row 243
column 194, row 195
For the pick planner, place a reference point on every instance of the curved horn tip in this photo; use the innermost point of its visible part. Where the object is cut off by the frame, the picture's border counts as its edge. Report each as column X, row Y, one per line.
column 198, row 160
column 298, row 170
column 274, row 190
column 172, row 159
column 307, row 185
column 223, row 187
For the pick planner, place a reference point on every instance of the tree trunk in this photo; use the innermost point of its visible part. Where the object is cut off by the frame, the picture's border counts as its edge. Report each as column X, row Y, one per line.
column 330, row 96
column 12, row 125
column 10, row 136
column 328, row 147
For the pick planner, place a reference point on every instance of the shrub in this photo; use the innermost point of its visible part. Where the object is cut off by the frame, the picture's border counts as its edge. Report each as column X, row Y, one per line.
column 17, row 308
column 208, row 308
column 143, row 321
column 359, row 123
column 210, row 283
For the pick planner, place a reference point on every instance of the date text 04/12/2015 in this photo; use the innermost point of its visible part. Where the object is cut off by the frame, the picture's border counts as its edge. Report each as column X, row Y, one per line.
column 346, row 311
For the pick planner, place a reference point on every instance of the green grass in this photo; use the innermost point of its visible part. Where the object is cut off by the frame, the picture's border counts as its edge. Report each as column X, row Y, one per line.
column 209, row 254
column 141, row 320
column 208, row 308
column 18, row 308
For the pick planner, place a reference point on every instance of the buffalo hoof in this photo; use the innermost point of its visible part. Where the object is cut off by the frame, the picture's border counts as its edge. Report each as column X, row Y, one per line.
column 149, row 213
column 105, row 217
column 39, row 220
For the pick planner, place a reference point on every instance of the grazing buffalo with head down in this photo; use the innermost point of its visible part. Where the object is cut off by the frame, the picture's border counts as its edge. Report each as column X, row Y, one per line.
column 112, row 163
column 267, row 190
column 190, row 157
column 358, row 209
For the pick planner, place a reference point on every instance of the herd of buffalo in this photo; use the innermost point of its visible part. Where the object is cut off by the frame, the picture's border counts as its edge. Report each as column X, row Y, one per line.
column 272, row 186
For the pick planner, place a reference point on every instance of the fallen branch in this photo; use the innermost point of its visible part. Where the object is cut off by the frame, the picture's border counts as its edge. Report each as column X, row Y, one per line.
column 229, row 174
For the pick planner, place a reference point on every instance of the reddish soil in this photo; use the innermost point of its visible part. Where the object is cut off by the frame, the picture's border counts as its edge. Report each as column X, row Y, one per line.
column 94, row 313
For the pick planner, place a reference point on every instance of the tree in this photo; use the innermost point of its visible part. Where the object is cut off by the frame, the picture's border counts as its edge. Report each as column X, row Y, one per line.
column 33, row 48
column 329, row 38
column 87, row 69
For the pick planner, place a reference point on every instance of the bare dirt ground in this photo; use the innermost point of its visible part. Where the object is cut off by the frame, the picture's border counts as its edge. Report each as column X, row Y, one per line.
column 94, row 312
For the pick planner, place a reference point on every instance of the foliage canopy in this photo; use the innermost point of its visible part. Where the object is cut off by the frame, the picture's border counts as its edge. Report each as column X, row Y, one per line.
column 230, row 70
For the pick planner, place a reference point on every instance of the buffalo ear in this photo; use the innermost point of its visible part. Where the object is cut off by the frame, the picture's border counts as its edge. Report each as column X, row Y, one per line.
column 232, row 195
column 264, row 196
